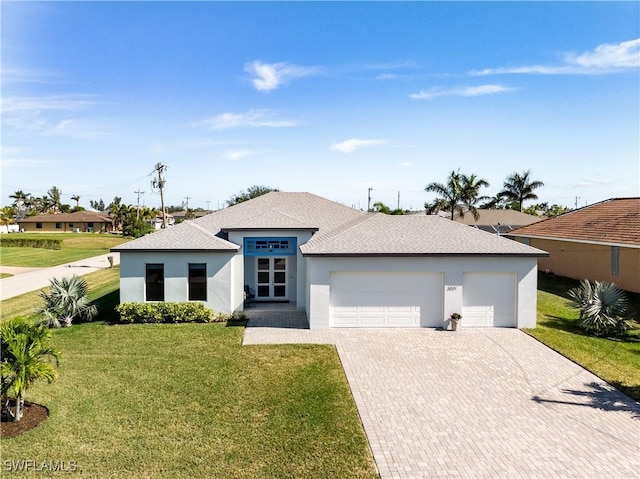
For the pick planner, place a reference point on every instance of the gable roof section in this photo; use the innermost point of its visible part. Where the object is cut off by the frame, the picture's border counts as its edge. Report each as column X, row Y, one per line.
column 498, row 217
column 613, row 222
column 379, row 235
column 275, row 210
column 79, row 216
column 187, row 236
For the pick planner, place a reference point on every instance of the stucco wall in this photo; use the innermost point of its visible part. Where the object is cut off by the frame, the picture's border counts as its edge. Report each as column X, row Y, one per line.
column 221, row 275
column 590, row 261
column 51, row 227
column 453, row 269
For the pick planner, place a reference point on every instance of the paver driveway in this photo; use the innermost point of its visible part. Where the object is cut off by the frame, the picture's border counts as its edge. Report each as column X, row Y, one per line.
column 479, row 403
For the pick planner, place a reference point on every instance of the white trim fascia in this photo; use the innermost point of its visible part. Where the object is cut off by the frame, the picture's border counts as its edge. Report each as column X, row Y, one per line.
column 571, row 240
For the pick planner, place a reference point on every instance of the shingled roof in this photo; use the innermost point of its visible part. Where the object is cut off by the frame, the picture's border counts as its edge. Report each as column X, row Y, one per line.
column 338, row 231
column 615, row 221
column 378, row 234
column 275, row 210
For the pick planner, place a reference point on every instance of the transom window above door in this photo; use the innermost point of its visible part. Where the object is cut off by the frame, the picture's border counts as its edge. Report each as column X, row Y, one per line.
column 270, row 246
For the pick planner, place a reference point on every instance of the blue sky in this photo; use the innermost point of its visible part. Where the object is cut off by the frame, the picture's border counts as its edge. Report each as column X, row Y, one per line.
column 330, row 98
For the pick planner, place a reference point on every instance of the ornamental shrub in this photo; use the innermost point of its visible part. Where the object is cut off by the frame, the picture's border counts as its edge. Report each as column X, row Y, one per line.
column 31, row 243
column 183, row 312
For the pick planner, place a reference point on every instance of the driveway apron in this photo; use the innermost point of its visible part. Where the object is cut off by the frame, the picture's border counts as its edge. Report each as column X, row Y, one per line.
column 482, row 403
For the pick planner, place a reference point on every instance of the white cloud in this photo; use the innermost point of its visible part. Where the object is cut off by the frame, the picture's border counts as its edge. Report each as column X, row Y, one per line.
column 465, row 91
column 269, row 76
column 351, row 145
column 605, row 58
column 593, row 181
column 237, row 154
column 252, row 118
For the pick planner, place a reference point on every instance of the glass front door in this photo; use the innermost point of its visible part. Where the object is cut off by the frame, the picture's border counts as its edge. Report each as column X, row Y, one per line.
column 272, row 278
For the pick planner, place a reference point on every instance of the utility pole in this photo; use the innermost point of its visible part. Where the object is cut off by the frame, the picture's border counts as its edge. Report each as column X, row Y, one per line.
column 159, row 183
column 138, row 210
column 369, row 199
column 577, row 198
column 208, row 202
column 398, row 199
column 187, row 202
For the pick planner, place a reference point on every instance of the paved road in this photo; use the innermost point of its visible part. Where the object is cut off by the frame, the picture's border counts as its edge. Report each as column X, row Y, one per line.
column 33, row 279
column 477, row 403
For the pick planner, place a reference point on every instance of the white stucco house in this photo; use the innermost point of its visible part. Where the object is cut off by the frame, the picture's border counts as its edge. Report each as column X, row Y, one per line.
column 343, row 267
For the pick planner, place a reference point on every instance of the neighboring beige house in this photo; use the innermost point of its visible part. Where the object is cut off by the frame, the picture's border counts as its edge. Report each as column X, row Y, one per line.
column 79, row 221
column 600, row 242
column 498, row 221
column 341, row 266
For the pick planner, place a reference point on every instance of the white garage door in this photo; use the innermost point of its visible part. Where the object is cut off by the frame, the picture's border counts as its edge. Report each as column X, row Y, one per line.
column 386, row 300
column 489, row 299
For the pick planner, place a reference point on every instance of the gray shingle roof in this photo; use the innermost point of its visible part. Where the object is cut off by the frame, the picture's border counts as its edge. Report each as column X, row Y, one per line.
column 185, row 236
column 379, row 234
column 275, row 210
column 493, row 217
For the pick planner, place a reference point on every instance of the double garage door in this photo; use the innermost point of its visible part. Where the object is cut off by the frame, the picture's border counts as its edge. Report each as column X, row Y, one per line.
column 386, row 300
column 416, row 300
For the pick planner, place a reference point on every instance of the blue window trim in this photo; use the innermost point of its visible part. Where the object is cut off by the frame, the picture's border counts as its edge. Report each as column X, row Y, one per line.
column 271, row 246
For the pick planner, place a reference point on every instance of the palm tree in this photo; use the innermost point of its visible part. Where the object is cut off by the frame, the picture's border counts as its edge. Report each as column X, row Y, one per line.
column 471, row 192
column 67, row 300
column 76, row 198
column 55, row 194
column 602, row 307
column 460, row 192
column 520, row 187
column 8, row 215
column 25, row 357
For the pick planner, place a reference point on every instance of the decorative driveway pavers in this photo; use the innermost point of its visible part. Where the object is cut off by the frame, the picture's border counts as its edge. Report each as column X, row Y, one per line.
column 480, row 403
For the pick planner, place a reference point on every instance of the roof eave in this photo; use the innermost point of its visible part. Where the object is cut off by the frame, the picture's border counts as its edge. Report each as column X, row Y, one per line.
column 268, row 228
column 574, row 240
column 414, row 255
column 174, row 250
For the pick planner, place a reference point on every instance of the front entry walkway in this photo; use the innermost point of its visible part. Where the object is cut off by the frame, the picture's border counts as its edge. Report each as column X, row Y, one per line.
column 484, row 403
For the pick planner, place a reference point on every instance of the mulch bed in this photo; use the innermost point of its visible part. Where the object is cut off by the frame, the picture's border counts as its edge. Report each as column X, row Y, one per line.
column 33, row 415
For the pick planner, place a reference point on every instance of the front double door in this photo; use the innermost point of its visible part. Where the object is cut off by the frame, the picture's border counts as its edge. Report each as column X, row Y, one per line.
column 271, row 278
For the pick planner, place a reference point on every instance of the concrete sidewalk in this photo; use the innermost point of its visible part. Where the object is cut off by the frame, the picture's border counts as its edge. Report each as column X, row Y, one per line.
column 31, row 279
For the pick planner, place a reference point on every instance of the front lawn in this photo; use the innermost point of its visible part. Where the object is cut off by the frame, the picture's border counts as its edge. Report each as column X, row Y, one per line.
column 75, row 246
column 617, row 361
column 187, row 400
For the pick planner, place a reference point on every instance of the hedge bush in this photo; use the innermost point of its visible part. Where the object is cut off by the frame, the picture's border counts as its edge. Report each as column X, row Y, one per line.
column 183, row 312
column 31, row 243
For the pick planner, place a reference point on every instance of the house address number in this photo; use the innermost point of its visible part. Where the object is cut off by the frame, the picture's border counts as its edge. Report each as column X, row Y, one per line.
column 452, row 288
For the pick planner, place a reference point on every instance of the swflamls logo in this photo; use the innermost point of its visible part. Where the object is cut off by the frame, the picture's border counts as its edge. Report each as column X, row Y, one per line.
column 31, row 465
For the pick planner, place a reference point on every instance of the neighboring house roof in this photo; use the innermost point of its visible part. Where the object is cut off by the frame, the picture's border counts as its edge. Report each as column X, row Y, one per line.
column 491, row 220
column 380, row 234
column 76, row 216
column 339, row 230
column 614, row 222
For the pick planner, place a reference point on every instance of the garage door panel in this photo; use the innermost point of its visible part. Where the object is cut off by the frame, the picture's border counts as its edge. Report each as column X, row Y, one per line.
column 489, row 299
column 386, row 299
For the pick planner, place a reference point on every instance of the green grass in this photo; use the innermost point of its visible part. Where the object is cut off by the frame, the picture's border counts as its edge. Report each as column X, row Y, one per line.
column 184, row 401
column 617, row 361
column 103, row 290
column 75, row 246
column 5, row 275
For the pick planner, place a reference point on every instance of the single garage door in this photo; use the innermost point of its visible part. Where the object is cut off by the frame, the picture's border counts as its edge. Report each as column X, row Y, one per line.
column 489, row 299
column 386, row 300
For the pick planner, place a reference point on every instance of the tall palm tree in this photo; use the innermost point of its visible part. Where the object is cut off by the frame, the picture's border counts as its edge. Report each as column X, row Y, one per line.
column 8, row 215
column 56, row 197
column 520, row 187
column 471, row 192
column 459, row 192
column 26, row 356
column 76, row 198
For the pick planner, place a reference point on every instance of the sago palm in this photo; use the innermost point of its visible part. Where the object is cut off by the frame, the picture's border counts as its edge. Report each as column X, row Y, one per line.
column 26, row 356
